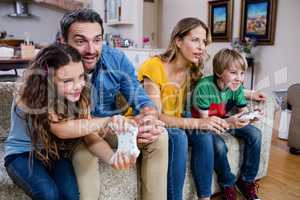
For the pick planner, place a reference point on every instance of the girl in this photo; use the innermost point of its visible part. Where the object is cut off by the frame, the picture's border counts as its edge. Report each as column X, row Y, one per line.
column 169, row 79
column 50, row 115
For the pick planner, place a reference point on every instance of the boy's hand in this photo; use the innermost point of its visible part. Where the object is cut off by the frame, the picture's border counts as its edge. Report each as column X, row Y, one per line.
column 235, row 121
column 213, row 123
column 258, row 96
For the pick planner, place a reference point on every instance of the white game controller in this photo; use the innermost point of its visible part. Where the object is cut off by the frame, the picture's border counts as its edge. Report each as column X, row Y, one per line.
column 251, row 115
column 127, row 142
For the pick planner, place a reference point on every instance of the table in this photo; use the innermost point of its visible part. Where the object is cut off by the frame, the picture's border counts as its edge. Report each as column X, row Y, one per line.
column 13, row 64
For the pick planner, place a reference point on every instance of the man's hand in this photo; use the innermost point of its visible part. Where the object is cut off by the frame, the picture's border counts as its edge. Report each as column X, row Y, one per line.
column 150, row 128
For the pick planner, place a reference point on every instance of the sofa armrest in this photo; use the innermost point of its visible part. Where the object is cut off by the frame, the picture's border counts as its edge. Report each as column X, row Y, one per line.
column 6, row 96
column 266, row 127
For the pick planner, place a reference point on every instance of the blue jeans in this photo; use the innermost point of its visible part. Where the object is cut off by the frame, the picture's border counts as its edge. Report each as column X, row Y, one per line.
column 57, row 182
column 202, row 162
column 178, row 149
column 252, row 139
column 209, row 152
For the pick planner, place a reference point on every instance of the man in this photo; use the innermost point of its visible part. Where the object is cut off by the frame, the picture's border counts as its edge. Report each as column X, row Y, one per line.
column 112, row 73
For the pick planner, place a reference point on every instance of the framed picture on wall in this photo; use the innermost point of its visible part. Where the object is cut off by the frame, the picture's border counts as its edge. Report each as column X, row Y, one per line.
column 220, row 20
column 258, row 19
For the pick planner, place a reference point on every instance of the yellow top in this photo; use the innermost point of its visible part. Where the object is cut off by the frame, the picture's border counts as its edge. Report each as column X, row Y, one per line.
column 172, row 94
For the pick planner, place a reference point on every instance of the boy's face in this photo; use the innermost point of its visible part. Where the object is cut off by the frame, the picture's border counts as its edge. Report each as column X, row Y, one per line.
column 232, row 77
column 69, row 81
column 87, row 38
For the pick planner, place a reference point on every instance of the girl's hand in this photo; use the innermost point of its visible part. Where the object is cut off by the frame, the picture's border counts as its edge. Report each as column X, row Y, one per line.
column 120, row 160
column 213, row 123
column 235, row 121
column 119, row 124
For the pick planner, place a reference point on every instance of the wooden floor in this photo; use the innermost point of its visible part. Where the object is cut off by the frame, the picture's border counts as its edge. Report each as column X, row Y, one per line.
column 283, row 180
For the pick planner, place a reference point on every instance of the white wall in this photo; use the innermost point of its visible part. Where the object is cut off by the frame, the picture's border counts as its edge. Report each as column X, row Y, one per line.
column 150, row 22
column 42, row 29
column 276, row 66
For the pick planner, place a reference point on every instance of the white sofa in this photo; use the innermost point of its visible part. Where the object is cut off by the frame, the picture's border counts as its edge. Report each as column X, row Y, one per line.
column 124, row 184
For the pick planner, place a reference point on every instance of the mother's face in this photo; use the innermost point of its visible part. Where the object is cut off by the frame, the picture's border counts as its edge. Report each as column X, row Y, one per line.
column 192, row 46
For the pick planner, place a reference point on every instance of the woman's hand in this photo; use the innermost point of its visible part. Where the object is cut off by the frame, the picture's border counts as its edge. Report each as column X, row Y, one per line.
column 213, row 123
column 121, row 161
column 235, row 121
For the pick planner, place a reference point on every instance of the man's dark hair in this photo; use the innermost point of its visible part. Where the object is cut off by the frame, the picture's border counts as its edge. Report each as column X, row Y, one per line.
column 79, row 15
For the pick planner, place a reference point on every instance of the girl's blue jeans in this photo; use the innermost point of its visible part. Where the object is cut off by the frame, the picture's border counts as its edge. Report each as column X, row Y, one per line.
column 57, row 182
column 209, row 152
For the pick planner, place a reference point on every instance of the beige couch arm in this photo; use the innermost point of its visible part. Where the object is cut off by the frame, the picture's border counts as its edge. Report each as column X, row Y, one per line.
column 266, row 127
column 6, row 96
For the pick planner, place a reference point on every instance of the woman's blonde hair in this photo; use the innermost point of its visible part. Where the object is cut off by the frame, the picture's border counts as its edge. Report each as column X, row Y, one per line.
column 227, row 57
column 181, row 29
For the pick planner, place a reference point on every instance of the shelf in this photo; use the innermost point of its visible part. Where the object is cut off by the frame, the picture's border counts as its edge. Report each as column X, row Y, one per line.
column 119, row 23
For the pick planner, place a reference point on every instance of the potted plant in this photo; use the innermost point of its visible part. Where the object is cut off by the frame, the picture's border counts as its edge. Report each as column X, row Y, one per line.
column 245, row 47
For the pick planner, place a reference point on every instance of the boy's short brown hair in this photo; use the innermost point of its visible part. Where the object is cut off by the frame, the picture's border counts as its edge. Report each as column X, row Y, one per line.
column 225, row 58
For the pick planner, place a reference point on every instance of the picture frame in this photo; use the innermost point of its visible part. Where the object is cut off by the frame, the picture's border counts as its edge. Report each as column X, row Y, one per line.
column 258, row 20
column 220, row 17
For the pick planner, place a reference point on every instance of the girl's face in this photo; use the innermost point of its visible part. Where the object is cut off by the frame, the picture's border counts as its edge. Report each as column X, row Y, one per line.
column 231, row 77
column 192, row 46
column 69, row 80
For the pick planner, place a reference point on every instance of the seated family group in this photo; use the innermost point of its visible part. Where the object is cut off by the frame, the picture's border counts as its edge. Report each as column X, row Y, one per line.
column 65, row 115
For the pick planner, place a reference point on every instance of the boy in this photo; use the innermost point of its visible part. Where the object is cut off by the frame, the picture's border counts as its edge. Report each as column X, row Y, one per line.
column 216, row 95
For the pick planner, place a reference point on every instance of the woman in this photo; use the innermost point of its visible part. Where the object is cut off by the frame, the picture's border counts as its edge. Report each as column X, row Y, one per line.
column 169, row 79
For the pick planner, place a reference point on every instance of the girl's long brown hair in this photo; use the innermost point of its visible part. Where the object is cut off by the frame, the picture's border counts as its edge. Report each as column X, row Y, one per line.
column 181, row 29
column 39, row 98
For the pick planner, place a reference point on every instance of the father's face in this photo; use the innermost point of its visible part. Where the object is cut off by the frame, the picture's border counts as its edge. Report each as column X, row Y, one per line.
column 87, row 38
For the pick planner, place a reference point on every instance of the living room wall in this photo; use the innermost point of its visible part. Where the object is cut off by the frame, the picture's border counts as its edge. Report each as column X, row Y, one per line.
column 42, row 27
column 276, row 66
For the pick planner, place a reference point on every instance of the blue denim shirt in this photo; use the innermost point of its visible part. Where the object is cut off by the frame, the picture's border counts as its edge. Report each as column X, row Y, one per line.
column 114, row 73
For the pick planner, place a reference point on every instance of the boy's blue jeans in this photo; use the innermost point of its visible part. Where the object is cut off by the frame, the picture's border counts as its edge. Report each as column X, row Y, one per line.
column 209, row 152
column 178, row 151
column 57, row 182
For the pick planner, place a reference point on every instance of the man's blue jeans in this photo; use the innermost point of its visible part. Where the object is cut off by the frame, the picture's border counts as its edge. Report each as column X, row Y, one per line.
column 178, row 150
column 209, row 152
column 57, row 182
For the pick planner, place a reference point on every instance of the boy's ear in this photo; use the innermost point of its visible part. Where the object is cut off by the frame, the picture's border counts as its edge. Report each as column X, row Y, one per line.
column 217, row 74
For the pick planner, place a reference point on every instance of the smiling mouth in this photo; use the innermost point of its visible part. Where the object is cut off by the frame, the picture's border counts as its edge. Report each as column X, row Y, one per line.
column 89, row 59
